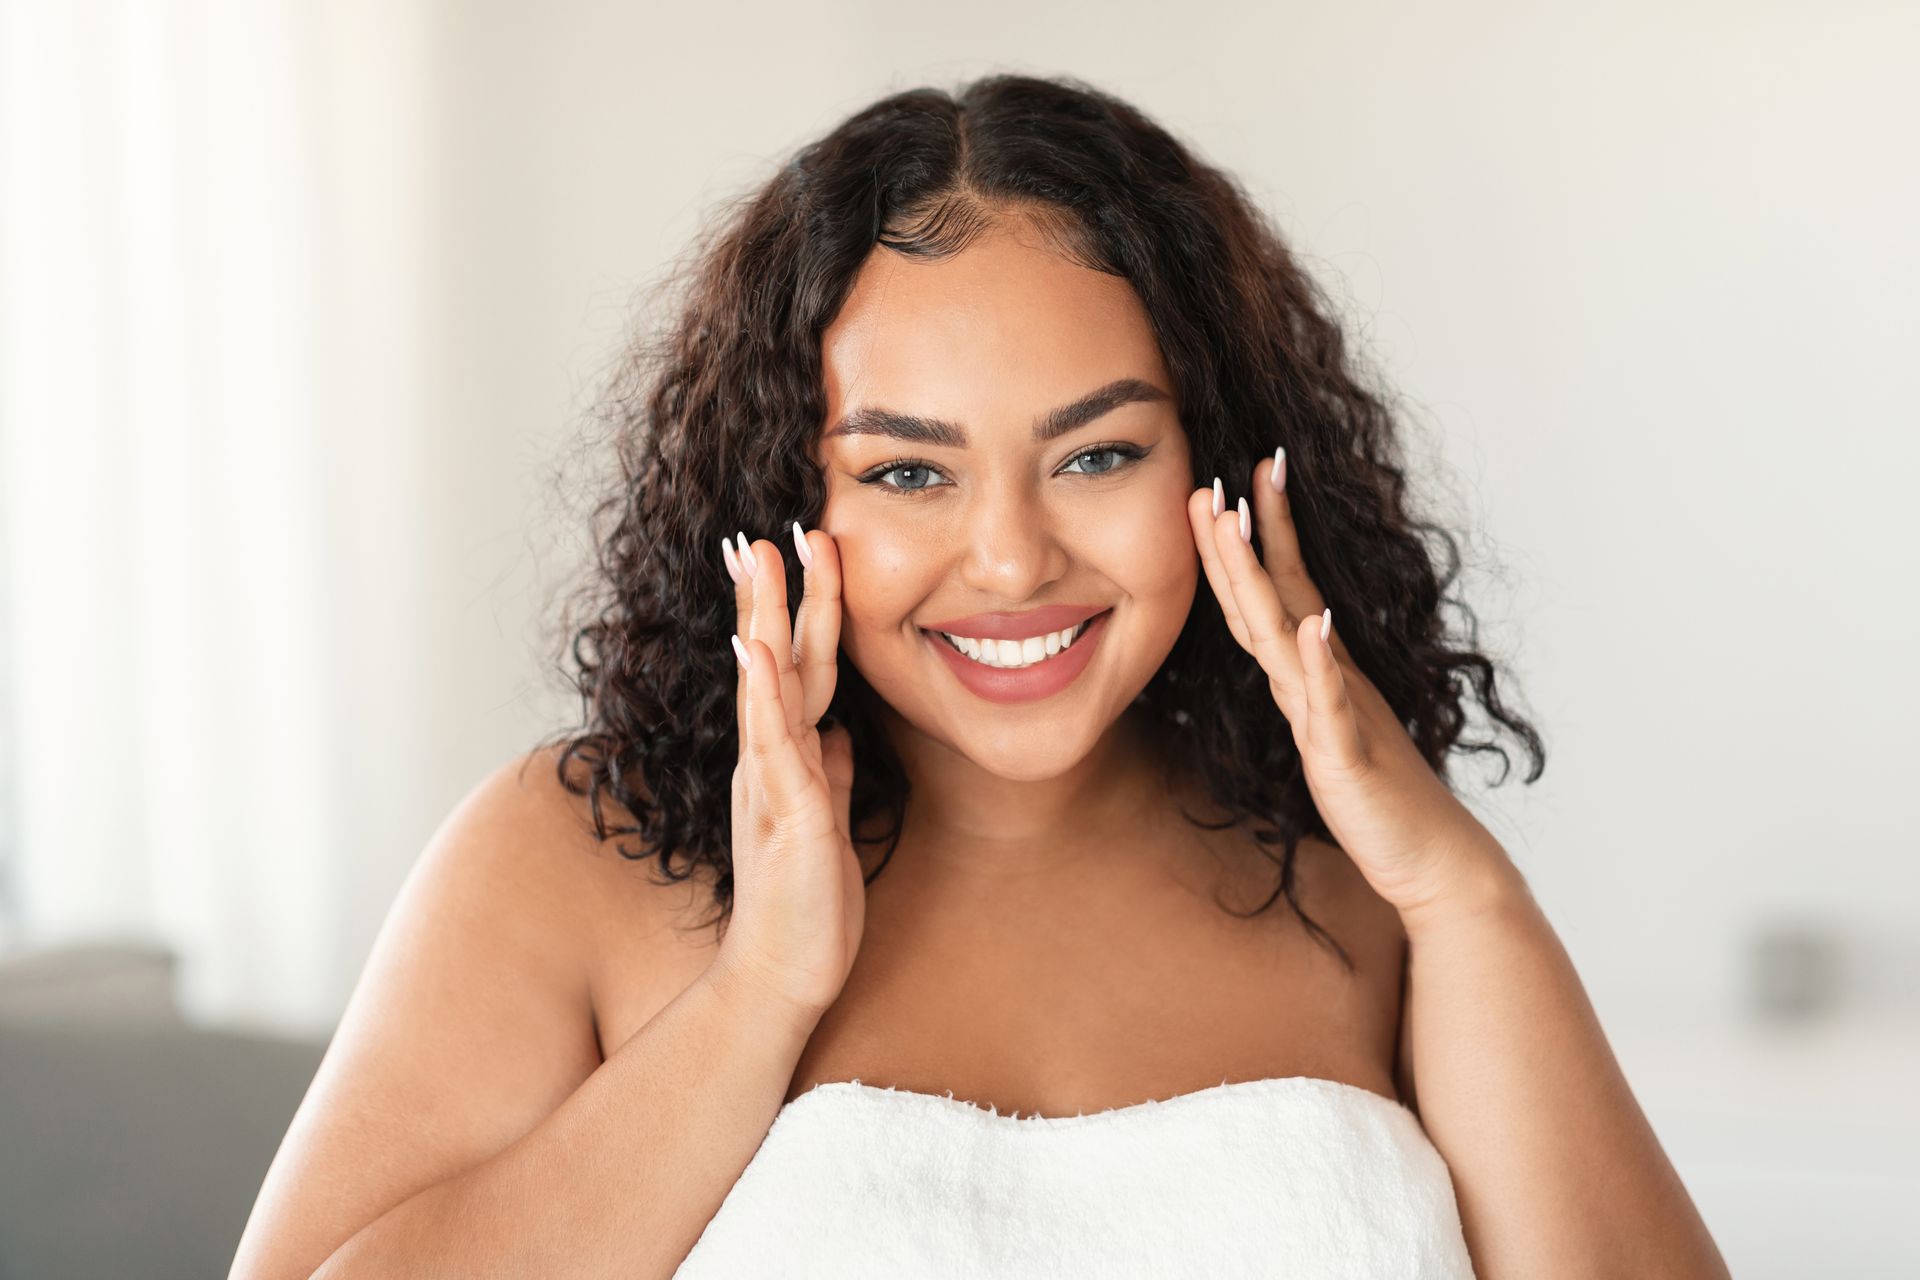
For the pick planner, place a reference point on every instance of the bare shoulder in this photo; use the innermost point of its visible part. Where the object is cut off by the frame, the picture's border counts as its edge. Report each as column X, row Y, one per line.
column 470, row 1023
column 539, row 840
column 479, row 1010
column 644, row 936
column 535, row 841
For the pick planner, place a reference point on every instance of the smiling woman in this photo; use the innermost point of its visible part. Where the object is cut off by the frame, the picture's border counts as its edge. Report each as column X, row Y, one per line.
column 1057, row 484
column 992, row 414
column 977, row 779
column 1069, row 321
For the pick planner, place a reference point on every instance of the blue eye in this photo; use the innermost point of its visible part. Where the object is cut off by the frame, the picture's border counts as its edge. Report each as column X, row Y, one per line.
column 905, row 464
column 1118, row 451
column 1127, row 454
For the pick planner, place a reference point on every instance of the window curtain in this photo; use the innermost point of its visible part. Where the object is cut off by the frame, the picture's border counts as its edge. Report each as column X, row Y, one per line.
column 213, row 442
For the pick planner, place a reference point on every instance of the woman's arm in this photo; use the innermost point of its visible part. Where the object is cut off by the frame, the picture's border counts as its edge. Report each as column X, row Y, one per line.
column 623, row 1178
column 1556, row 1171
column 1555, row 1168
column 468, row 1120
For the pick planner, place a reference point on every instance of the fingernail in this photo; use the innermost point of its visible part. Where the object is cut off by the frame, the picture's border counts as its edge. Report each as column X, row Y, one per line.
column 740, row 651
column 1278, row 476
column 1326, row 623
column 800, row 542
column 733, row 561
column 1246, row 523
column 746, row 558
column 1219, row 497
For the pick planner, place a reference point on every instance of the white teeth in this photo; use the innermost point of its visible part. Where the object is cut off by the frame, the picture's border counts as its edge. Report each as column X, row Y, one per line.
column 1014, row 654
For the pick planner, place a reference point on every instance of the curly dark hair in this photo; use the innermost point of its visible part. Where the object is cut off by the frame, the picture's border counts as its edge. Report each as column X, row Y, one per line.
column 711, row 421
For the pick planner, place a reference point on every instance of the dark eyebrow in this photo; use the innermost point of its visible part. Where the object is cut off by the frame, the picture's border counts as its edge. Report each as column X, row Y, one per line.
column 951, row 435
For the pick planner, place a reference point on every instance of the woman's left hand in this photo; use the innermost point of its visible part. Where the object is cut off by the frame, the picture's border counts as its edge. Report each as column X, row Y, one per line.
column 1408, row 834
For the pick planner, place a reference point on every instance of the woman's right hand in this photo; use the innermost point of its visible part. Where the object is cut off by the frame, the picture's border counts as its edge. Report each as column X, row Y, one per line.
column 799, row 895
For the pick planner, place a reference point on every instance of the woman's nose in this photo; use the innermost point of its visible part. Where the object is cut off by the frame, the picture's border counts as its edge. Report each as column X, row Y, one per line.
column 1009, row 546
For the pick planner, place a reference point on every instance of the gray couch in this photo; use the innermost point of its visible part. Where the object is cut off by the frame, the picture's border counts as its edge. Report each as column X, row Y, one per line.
column 132, row 1143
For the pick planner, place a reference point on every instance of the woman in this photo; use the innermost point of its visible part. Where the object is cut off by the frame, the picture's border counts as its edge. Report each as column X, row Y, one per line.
column 988, row 802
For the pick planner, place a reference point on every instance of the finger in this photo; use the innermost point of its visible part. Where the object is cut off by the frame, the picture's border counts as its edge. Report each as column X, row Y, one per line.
column 1200, row 517
column 1268, row 626
column 744, row 793
column 742, row 616
column 816, row 649
column 732, row 560
column 1280, row 540
column 778, row 774
column 768, row 621
column 1333, row 727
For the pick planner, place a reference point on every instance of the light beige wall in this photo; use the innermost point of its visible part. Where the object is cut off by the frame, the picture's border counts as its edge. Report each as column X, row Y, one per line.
column 1643, row 274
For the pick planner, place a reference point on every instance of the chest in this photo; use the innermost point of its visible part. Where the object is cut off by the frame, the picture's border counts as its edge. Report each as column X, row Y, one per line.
column 1079, row 996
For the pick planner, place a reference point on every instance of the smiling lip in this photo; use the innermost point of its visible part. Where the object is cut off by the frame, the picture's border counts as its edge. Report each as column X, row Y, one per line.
column 1024, row 684
column 1017, row 626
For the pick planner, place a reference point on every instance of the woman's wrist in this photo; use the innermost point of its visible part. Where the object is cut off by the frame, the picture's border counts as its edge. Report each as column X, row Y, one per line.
column 1481, row 882
column 760, row 1004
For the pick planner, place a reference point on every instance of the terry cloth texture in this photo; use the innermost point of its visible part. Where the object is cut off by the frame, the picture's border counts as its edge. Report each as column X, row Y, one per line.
column 1294, row 1177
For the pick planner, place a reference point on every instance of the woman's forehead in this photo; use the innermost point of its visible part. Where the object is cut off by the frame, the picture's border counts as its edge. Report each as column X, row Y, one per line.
column 1002, row 325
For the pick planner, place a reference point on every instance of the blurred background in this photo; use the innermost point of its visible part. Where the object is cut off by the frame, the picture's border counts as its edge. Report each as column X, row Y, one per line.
column 303, row 303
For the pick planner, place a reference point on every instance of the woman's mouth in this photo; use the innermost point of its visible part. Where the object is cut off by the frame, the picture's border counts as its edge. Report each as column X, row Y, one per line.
column 1020, row 670
column 1015, row 655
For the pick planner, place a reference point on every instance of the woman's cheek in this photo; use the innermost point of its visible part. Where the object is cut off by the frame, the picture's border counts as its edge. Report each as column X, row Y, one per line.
column 882, row 581
column 1154, row 557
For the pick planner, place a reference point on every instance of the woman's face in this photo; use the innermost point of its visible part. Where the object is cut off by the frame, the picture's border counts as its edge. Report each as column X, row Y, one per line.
column 1004, row 503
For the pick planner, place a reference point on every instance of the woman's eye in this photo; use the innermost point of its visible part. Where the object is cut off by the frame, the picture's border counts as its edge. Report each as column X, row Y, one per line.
column 907, row 469
column 918, row 476
column 1119, row 456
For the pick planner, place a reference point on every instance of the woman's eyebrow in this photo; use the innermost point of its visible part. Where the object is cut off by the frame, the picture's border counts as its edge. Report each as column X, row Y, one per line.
column 916, row 429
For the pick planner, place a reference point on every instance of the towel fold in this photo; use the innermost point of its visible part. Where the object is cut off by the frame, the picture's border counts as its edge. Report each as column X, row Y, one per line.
column 1293, row 1176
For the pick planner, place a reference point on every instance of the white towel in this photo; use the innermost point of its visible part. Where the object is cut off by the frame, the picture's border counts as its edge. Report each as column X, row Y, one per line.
column 1293, row 1176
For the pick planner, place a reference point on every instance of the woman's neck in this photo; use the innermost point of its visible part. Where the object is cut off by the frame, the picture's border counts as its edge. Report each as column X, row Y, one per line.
column 996, row 826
